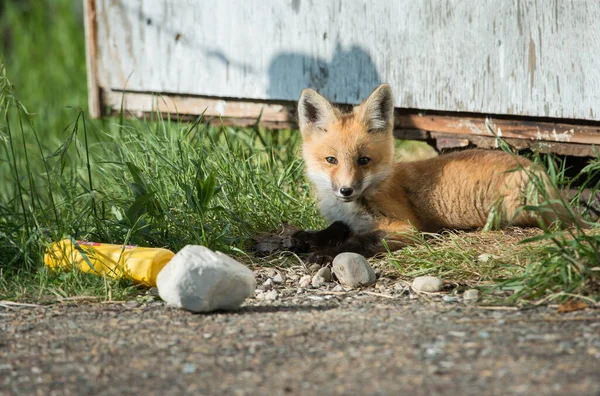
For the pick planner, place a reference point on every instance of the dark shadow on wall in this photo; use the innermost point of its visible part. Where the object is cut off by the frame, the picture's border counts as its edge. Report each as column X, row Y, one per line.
column 349, row 77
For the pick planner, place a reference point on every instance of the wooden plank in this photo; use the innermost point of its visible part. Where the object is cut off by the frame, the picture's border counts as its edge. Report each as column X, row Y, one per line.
column 210, row 107
column 524, row 58
column 572, row 149
column 528, row 129
column 91, row 57
column 450, row 129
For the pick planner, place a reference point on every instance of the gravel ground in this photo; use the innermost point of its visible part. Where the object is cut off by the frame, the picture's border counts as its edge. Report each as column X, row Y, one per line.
column 319, row 341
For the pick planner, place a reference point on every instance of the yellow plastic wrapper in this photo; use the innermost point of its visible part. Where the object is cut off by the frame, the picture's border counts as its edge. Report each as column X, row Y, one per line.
column 140, row 264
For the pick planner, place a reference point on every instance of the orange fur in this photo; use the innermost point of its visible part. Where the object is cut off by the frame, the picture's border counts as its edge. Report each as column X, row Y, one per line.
column 453, row 191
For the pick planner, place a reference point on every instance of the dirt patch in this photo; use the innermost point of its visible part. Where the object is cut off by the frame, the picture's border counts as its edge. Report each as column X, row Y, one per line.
column 337, row 343
column 288, row 339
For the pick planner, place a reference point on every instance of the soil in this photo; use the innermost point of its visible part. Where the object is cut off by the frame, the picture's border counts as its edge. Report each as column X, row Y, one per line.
column 317, row 342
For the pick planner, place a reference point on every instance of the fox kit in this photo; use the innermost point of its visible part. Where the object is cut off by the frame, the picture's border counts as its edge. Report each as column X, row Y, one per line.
column 369, row 198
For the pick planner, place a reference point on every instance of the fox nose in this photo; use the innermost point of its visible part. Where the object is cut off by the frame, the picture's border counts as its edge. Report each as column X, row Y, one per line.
column 346, row 191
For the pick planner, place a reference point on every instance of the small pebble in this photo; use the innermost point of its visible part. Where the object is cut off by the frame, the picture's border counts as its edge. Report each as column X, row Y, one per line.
column 450, row 299
column 353, row 270
column 189, row 368
column 338, row 288
column 305, row 281
column 484, row 334
column 325, row 273
column 279, row 278
column 430, row 284
column 271, row 295
column 131, row 304
column 317, row 281
column 471, row 295
column 267, row 285
column 314, row 267
column 485, row 257
column 299, row 290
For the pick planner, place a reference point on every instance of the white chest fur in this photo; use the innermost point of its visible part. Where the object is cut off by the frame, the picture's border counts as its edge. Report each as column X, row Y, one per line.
column 351, row 213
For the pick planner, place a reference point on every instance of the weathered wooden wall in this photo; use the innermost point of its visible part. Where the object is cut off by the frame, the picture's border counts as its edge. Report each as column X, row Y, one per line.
column 528, row 58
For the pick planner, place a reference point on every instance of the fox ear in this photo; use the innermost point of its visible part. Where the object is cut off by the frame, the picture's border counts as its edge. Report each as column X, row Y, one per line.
column 314, row 111
column 377, row 111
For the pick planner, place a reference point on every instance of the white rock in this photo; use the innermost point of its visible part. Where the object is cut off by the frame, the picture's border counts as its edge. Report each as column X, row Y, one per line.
column 305, row 281
column 338, row 288
column 471, row 295
column 279, row 278
column 200, row 280
column 325, row 273
column 353, row 270
column 271, row 295
column 259, row 294
column 449, row 299
column 299, row 290
column 485, row 257
column 317, row 281
column 427, row 284
column 267, row 285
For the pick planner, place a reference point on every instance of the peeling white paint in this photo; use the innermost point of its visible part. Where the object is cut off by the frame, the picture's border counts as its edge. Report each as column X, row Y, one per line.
column 532, row 58
column 221, row 107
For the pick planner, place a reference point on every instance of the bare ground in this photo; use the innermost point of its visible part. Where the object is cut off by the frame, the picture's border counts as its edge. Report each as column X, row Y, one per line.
column 317, row 340
column 315, row 343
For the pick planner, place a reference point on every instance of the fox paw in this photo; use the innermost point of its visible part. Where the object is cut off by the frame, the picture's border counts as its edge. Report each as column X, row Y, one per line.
column 321, row 257
column 298, row 242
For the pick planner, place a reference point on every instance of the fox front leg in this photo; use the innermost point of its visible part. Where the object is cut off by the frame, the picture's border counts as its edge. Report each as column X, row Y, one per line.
column 396, row 234
column 307, row 241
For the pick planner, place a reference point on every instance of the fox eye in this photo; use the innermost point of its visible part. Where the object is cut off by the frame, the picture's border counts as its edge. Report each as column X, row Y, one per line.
column 331, row 160
column 364, row 160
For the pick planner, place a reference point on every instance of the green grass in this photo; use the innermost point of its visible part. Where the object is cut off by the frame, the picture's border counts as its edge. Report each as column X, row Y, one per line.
column 152, row 183
column 165, row 183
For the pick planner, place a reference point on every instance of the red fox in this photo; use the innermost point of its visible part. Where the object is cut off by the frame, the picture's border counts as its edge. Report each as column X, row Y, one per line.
column 369, row 197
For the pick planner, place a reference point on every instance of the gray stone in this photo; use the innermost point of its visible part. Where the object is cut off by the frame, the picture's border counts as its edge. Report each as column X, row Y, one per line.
column 353, row 270
column 200, row 280
column 271, row 295
column 305, row 281
column 267, row 285
column 485, row 257
column 279, row 278
column 430, row 284
column 450, row 299
column 471, row 295
column 314, row 267
column 325, row 273
column 317, row 281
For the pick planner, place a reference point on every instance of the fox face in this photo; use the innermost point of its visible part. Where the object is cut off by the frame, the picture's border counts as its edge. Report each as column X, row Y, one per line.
column 347, row 156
